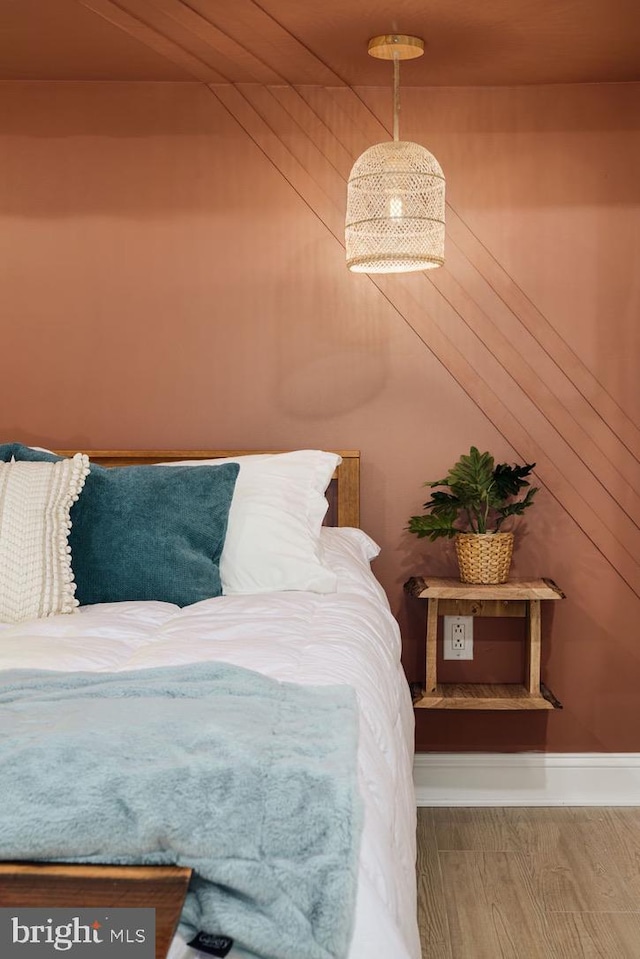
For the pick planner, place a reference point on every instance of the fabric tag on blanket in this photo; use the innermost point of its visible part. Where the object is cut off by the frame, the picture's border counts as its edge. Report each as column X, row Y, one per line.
column 212, row 945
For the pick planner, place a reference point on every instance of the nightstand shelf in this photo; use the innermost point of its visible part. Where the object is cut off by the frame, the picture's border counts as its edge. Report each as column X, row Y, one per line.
column 519, row 598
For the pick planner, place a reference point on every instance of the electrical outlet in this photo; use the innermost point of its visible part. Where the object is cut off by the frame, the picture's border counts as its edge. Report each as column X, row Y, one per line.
column 458, row 637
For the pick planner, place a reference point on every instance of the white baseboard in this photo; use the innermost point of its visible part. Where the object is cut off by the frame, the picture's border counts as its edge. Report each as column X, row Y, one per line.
column 527, row 779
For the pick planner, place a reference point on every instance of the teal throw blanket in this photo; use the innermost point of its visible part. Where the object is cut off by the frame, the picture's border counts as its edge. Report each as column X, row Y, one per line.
column 249, row 781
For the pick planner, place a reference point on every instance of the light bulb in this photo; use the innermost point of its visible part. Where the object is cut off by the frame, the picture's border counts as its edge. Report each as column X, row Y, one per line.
column 395, row 206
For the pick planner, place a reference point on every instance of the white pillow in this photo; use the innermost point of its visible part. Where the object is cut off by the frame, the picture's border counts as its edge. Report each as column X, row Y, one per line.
column 349, row 542
column 349, row 552
column 35, row 559
column 273, row 535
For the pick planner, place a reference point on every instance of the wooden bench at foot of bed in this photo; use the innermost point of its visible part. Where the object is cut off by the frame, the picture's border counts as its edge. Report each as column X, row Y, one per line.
column 162, row 888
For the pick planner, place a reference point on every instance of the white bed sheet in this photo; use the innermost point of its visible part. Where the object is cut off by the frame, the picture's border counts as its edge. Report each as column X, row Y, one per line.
column 344, row 637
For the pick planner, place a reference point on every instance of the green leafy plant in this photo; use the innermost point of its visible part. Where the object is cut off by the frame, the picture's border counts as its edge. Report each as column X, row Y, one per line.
column 479, row 497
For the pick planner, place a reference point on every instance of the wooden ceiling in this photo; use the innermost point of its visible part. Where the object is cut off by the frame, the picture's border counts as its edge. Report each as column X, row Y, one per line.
column 468, row 43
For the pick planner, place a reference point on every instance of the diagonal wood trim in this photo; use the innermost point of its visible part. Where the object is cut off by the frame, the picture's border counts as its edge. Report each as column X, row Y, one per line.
column 614, row 430
column 512, row 356
column 234, row 42
column 543, row 380
column 119, row 17
column 274, row 106
column 196, row 33
column 548, row 367
column 591, row 487
column 360, row 129
column 346, row 111
column 597, row 474
column 565, row 428
column 612, row 422
column 282, row 158
column 600, row 518
column 316, row 129
column 442, row 327
column 275, row 45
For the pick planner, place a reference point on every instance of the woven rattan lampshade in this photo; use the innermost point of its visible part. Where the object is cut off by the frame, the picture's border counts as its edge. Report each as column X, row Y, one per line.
column 395, row 196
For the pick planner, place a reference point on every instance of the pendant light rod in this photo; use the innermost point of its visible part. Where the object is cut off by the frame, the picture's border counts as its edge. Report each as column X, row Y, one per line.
column 396, row 47
column 396, row 98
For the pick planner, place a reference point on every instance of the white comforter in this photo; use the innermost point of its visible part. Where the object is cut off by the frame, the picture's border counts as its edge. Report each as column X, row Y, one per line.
column 346, row 637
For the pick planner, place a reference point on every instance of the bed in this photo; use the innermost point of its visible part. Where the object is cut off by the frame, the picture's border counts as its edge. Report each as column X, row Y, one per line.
column 347, row 636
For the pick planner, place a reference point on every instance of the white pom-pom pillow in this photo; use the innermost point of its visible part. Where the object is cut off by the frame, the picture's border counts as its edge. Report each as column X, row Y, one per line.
column 35, row 559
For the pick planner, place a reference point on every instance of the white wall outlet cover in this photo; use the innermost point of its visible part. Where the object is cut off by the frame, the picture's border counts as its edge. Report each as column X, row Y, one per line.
column 458, row 637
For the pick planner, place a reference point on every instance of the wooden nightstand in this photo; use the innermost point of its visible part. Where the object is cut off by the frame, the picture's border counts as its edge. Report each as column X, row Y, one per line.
column 518, row 597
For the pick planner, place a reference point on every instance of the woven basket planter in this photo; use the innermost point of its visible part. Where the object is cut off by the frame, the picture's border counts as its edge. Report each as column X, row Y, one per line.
column 484, row 558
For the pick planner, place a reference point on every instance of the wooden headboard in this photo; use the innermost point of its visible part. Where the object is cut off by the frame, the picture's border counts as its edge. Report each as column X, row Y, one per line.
column 343, row 493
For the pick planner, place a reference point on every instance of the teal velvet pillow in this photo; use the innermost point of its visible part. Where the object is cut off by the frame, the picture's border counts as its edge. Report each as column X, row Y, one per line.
column 21, row 452
column 147, row 532
column 7, row 450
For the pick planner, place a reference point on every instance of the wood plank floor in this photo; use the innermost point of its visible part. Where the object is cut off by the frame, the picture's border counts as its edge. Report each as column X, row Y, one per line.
column 529, row 883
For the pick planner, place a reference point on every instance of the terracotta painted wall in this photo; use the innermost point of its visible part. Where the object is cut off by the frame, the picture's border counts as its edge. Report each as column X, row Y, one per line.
column 172, row 275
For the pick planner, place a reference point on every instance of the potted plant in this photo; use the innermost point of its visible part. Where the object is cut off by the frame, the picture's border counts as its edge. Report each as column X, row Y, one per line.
column 479, row 497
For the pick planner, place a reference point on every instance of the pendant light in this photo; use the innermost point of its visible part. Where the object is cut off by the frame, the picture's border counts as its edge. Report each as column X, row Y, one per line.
column 395, row 194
